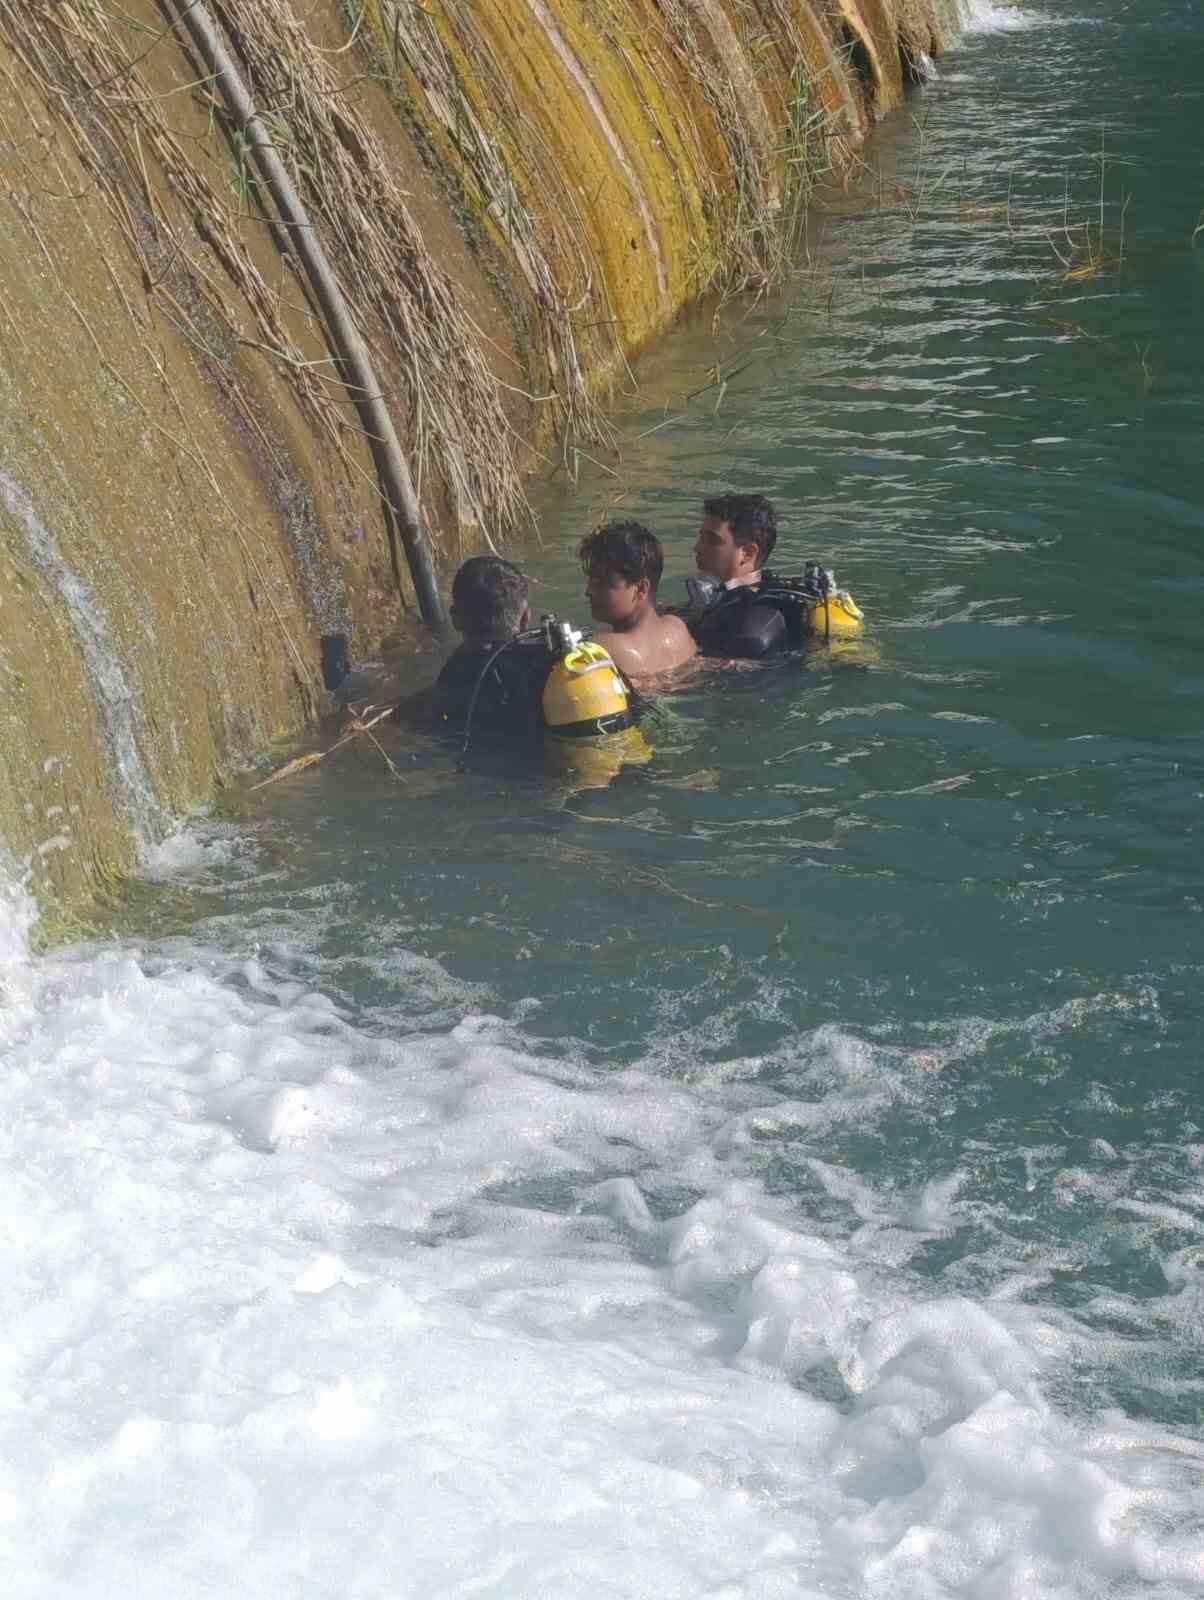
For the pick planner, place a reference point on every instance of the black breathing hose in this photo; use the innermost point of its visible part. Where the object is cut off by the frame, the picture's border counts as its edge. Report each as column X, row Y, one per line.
column 530, row 633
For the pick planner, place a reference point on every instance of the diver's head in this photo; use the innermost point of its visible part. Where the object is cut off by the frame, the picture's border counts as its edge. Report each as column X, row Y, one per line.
column 622, row 562
column 489, row 599
column 737, row 536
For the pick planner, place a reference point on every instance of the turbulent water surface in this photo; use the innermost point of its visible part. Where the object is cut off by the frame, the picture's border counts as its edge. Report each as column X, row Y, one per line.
column 777, row 1173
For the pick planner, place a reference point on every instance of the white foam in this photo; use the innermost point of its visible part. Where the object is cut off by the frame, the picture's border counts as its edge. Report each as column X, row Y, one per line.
column 289, row 1307
column 987, row 16
column 18, row 914
column 194, row 849
column 18, row 917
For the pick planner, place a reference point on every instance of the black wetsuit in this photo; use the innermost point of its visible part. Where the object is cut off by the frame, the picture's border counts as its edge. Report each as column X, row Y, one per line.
column 754, row 620
column 508, row 703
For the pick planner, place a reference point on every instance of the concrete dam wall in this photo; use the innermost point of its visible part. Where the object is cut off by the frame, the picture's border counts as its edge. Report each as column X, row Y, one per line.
column 513, row 196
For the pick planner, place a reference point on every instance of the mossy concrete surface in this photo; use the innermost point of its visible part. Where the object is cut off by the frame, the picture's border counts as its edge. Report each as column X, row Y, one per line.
column 154, row 630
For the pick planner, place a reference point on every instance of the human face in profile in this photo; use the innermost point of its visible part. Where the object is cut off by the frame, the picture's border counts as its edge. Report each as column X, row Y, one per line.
column 717, row 555
column 615, row 601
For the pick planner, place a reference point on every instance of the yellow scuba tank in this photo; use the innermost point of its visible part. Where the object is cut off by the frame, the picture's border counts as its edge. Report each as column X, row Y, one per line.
column 836, row 616
column 584, row 696
column 594, row 763
column 587, row 712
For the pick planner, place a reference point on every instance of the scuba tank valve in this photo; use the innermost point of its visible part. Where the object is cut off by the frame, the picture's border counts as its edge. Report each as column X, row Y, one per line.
column 842, row 615
column 818, row 581
column 560, row 637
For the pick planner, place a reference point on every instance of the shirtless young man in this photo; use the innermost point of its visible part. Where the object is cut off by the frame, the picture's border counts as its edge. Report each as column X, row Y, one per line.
column 623, row 565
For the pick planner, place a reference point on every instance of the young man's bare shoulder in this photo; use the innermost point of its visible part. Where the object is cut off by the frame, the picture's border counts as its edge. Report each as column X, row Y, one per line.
column 657, row 646
column 625, row 654
column 672, row 627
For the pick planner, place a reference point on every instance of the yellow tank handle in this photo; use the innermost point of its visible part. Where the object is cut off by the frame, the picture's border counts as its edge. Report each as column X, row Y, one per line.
column 586, row 657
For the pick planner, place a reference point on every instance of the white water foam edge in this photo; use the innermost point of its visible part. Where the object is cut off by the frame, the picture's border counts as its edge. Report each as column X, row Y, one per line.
column 988, row 16
column 290, row 1308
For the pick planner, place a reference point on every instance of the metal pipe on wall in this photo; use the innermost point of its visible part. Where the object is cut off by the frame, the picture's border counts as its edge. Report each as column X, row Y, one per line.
column 396, row 484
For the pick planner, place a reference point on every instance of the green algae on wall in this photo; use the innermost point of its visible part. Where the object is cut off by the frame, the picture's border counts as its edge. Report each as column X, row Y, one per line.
column 150, row 609
column 625, row 156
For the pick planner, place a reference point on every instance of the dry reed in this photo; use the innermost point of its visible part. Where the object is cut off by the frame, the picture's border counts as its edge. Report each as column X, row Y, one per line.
column 192, row 254
column 498, row 157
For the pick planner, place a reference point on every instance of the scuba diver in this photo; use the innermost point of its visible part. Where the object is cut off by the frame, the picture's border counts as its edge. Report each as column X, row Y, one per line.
column 494, row 670
column 738, row 608
column 623, row 564
column 508, row 680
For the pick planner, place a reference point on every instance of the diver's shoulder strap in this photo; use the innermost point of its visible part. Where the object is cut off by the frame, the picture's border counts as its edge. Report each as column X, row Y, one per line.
column 493, row 692
column 785, row 585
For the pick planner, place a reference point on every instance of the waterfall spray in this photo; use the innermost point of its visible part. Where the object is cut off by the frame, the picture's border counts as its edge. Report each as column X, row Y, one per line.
column 115, row 698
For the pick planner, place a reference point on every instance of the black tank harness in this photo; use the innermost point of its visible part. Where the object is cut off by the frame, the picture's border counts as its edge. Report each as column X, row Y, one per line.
column 497, row 688
column 759, row 619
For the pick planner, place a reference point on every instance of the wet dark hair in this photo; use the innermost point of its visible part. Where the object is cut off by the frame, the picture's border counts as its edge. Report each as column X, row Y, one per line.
column 751, row 518
column 489, row 596
column 627, row 548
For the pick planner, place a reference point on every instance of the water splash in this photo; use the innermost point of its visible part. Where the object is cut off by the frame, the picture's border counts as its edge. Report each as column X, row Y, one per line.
column 986, row 16
column 18, row 913
column 115, row 697
column 256, row 1244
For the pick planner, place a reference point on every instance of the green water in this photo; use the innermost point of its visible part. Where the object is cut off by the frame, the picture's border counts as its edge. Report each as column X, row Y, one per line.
column 960, row 866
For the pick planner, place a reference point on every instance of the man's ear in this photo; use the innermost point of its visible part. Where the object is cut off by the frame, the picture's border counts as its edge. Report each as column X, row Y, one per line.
column 643, row 587
column 750, row 553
